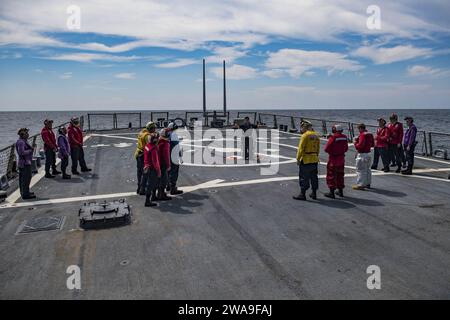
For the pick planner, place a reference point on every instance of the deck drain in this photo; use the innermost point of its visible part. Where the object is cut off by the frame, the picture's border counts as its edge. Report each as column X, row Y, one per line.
column 124, row 262
column 41, row 224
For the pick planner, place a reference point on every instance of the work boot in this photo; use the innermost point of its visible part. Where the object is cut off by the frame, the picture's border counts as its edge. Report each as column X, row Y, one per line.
column 386, row 169
column 168, row 188
column 29, row 197
column 149, row 203
column 138, row 190
column 330, row 194
column 358, row 187
column 174, row 191
column 162, row 196
column 398, row 170
column 86, row 170
column 313, row 195
column 48, row 175
column 407, row 172
column 374, row 167
column 76, row 173
column 301, row 196
column 154, row 197
column 142, row 192
column 340, row 193
column 66, row 176
column 55, row 172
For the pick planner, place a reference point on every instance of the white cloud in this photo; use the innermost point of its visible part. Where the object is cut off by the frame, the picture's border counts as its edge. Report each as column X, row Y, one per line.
column 177, row 63
column 229, row 54
column 187, row 26
column 125, row 76
column 389, row 55
column 274, row 73
column 66, row 75
column 300, row 62
column 419, row 70
column 236, row 72
column 89, row 57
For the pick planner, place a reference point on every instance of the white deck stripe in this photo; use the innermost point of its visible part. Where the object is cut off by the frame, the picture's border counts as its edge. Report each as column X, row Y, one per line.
column 218, row 183
column 14, row 196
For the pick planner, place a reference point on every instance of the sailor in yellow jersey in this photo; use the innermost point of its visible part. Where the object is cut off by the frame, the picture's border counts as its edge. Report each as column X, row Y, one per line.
column 142, row 141
column 307, row 160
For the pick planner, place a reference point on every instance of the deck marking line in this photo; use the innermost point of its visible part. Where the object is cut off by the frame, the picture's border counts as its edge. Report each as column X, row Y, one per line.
column 217, row 183
column 14, row 196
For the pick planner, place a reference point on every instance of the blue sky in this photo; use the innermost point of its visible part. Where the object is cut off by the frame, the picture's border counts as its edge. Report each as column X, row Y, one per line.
column 280, row 54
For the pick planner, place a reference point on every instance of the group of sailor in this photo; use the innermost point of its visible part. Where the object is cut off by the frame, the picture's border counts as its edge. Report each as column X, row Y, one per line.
column 395, row 148
column 158, row 159
column 69, row 144
column 158, row 156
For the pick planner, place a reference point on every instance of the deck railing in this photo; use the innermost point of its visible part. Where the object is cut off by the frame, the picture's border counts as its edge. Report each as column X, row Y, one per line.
column 431, row 144
column 8, row 156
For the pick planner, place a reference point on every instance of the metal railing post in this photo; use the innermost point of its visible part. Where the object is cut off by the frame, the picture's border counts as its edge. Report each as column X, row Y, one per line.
column 324, row 127
column 275, row 123
column 431, row 143
column 89, row 122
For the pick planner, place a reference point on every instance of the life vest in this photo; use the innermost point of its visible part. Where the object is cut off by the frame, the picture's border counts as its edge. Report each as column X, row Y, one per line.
column 141, row 142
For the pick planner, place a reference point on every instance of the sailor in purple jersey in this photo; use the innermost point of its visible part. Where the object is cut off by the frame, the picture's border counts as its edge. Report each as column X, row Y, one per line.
column 25, row 156
column 63, row 151
column 409, row 144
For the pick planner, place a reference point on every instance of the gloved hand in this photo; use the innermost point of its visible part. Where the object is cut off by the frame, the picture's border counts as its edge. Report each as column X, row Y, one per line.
column 146, row 170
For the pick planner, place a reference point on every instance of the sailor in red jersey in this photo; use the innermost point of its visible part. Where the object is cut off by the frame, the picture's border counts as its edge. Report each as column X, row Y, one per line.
column 164, row 160
column 75, row 136
column 152, row 169
column 363, row 144
column 395, row 144
column 50, row 148
column 381, row 146
column 336, row 148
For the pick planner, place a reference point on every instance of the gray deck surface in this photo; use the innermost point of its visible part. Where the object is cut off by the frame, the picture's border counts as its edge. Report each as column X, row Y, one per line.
column 249, row 241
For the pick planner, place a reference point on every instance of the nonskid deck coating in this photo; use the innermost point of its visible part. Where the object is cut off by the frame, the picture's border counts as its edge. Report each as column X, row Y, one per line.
column 241, row 236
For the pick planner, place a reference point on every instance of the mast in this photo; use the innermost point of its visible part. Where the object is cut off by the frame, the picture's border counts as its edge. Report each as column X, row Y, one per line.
column 224, row 90
column 204, row 89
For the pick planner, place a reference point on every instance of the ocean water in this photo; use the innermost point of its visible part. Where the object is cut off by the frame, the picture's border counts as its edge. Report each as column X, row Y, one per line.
column 425, row 119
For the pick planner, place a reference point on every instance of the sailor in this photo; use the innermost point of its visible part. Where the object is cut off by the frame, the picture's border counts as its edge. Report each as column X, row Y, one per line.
column 247, row 143
column 336, row 148
column 63, row 151
column 50, row 148
column 142, row 141
column 175, row 159
column 246, row 125
column 164, row 162
column 396, row 154
column 25, row 154
column 363, row 144
column 381, row 146
column 151, row 169
column 75, row 135
column 409, row 145
column 307, row 160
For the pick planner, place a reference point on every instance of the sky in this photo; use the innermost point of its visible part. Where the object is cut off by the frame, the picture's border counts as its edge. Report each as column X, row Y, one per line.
column 283, row 54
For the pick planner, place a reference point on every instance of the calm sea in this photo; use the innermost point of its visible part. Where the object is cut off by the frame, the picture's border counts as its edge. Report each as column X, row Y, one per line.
column 425, row 119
